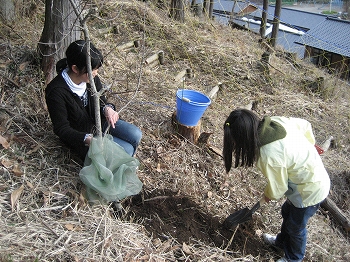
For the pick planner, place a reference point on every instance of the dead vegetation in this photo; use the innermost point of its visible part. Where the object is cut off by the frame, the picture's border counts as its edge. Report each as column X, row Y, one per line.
column 186, row 193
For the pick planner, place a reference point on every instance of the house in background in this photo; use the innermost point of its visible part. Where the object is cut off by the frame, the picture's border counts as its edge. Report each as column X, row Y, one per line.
column 299, row 32
column 328, row 45
column 293, row 23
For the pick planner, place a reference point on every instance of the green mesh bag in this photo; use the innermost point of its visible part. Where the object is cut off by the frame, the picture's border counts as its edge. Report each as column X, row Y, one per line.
column 109, row 173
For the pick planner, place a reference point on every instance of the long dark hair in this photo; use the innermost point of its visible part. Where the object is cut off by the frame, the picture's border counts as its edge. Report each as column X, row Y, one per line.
column 76, row 55
column 241, row 138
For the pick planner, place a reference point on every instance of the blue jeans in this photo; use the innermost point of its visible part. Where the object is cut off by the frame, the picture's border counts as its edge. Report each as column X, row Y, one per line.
column 292, row 238
column 126, row 135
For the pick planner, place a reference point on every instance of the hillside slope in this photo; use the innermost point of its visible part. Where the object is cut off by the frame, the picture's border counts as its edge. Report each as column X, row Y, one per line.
column 186, row 193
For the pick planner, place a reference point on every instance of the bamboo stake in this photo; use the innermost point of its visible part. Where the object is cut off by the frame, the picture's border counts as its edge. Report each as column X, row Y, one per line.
column 126, row 45
column 154, row 57
column 184, row 73
column 214, row 90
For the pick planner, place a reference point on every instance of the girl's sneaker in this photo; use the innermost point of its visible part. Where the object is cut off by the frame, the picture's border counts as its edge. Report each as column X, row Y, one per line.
column 269, row 239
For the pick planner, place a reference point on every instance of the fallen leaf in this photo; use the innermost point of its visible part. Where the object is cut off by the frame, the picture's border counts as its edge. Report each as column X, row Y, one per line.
column 23, row 66
column 15, row 196
column 158, row 168
column 166, row 246
column 107, row 243
column 6, row 163
column 4, row 142
column 82, row 200
column 144, row 258
column 70, row 227
column 186, row 249
column 36, row 148
column 30, row 185
column 17, row 170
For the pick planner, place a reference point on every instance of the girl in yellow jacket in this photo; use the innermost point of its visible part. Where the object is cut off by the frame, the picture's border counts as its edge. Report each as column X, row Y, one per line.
column 284, row 151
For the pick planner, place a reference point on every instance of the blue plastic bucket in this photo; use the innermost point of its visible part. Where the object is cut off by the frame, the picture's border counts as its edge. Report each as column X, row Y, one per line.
column 190, row 106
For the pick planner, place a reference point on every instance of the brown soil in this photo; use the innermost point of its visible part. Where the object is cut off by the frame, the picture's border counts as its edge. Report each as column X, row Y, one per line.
column 169, row 215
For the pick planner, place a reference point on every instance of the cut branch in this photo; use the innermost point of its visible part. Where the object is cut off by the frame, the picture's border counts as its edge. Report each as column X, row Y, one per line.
column 336, row 213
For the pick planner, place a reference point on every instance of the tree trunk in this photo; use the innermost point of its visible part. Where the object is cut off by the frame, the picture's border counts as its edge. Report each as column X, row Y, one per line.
column 346, row 8
column 193, row 3
column 276, row 23
column 177, row 10
column 211, row 7
column 232, row 15
column 7, row 10
column 264, row 19
column 191, row 133
column 59, row 31
column 206, row 7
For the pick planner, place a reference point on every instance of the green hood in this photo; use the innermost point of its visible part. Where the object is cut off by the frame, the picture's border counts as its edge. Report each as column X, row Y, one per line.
column 270, row 131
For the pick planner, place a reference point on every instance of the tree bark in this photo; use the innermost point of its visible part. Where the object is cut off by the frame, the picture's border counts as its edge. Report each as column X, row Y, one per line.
column 191, row 133
column 276, row 23
column 60, row 29
column 264, row 19
column 206, row 7
column 346, row 8
column 211, row 7
column 7, row 10
column 193, row 3
column 336, row 213
column 232, row 15
column 177, row 10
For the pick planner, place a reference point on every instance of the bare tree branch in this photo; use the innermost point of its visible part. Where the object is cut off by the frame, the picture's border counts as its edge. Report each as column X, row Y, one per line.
column 96, row 95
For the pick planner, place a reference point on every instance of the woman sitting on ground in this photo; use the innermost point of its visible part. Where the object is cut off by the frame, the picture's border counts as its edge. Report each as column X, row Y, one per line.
column 71, row 105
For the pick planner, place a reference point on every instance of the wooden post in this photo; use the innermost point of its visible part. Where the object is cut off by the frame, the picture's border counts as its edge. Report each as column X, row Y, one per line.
column 189, row 73
column 276, row 23
column 157, row 56
column 264, row 19
column 137, row 43
column 191, row 133
column 161, row 57
column 184, row 73
column 180, row 76
column 213, row 91
column 263, row 64
column 116, row 29
column 126, row 45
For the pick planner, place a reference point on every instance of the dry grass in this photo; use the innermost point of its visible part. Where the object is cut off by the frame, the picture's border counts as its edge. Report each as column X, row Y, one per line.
column 48, row 220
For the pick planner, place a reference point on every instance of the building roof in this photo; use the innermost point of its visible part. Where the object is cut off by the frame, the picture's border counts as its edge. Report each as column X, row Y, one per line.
column 331, row 35
column 301, row 20
column 327, row 33
column 227, row 6
column 298, row 19
column 287, row 41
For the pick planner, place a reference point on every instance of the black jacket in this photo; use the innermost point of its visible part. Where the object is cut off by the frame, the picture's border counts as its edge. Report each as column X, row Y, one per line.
column 71, row 120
